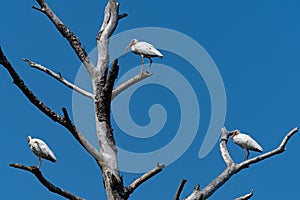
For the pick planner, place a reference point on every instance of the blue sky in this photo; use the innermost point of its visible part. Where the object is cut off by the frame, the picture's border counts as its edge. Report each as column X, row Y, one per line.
column 254, row 45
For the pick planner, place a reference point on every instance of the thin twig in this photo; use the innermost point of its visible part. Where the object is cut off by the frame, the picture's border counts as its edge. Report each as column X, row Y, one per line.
column 52, row 188
column 39, row 9
column 120, row 16
column 129, row 83
column 179, row 189
column 245, row 197
column 59, row 78
column 135, row 184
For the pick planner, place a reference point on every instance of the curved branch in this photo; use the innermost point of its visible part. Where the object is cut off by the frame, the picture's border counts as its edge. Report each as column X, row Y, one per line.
column 59, row 78
column 52, row 188
column 232, row 169
column 179, row 189
column 68, row 34
column 135, row 184
column 129, row 83
column 278, row 150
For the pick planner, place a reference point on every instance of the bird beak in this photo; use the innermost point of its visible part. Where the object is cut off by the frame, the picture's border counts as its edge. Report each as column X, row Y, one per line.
column 231, row 135
column 130, row 44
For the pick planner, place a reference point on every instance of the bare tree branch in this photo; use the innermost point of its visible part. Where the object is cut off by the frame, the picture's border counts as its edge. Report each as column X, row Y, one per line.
column 129, row 83
column 179, row 189
column 103, row 82
column 28, row 93
column 233, row 168
column 67, row 123
column 223, row 148
column 52, row 188
column 120, row 16
column 59, row 78
column 68, row 34
column 195, row 194
column 135, row 184
column 245, row 197
column 63, row 120
column 278, row 150
column 102, row 88
column 109, row 25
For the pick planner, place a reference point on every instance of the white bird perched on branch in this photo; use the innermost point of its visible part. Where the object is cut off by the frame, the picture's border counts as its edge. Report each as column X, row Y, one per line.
column 145, row 50
column 41, row 150
column 245, row 142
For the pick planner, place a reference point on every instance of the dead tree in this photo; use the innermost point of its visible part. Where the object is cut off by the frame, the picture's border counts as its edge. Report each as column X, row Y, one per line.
column 103, row 79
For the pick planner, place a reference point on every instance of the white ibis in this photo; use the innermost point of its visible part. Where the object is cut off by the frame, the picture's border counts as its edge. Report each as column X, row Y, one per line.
column 145, row 50
column 40, row 149
column 245, row 142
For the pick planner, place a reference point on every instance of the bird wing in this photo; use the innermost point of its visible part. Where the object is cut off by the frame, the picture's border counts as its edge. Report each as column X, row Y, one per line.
column 253, row 145
column 146, row 49
column 246, row 142
column 44, row 150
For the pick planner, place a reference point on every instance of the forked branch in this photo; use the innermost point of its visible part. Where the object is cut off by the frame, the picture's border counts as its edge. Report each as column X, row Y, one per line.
column 63, row 120
column 278, row 150
column 51, row 187
column 233, row 168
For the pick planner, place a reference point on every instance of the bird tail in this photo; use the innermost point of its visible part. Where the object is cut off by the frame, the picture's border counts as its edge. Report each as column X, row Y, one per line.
column 52, row 157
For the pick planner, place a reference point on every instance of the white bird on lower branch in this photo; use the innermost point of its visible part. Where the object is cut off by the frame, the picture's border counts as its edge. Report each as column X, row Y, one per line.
column 41, row 150
column 245, row 142
column 145, row 50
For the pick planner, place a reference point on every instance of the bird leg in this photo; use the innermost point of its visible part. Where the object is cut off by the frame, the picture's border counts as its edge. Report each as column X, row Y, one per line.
column 149, row 65
column 40, row 162
column 246, row 154
column 142, row 66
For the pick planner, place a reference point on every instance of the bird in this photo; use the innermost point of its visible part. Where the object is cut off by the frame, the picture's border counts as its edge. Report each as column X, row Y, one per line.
column 41, row 150
column 145, row 50
column 245, row 142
